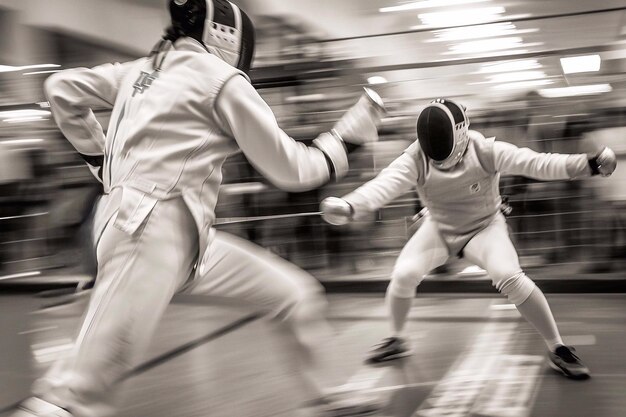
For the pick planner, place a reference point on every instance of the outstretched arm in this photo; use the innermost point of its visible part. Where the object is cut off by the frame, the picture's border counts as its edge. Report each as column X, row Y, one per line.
column 392, row 182
column 288, row 164
column 509, row 159
column 398, row 178
column 73, row 94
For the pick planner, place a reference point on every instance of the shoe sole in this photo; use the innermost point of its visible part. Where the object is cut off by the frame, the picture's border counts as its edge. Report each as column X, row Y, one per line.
column 568, row 374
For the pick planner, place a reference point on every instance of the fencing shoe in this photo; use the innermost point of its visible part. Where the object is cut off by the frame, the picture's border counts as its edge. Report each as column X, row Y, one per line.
column 565, row 361
column 389, row 349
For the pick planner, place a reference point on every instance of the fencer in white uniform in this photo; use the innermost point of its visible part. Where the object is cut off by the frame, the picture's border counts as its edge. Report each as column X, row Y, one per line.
column 176, row 116
column 456, row 172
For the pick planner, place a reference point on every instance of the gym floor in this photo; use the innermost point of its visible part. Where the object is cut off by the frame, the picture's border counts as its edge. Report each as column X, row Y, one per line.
column 474, row 356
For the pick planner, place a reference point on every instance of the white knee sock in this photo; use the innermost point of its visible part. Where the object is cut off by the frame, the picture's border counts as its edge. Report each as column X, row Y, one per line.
column 536, row 311
column 398, row 310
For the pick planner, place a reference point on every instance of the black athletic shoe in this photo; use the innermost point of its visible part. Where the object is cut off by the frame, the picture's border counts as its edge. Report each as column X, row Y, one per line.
column 389, row 349
column 565, row 361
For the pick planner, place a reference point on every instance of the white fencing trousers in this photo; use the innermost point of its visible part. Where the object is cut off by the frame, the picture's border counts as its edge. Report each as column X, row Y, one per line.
column 425, row 251
column 137, row 277
column 491, row 249
column 244, row 273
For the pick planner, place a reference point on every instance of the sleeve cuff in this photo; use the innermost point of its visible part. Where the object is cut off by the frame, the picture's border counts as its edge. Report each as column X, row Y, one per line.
column 579, row 166
column 333, row 148
column 356, row 203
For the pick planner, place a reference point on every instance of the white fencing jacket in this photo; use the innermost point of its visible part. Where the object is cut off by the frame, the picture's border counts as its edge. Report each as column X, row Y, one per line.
column 171, row 130
column 465, row 198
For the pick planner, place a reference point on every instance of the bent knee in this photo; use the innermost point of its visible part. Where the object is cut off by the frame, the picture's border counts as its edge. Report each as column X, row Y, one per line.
column 517, row 287
column 302, row 303
column 404, row 280
column 500, row 274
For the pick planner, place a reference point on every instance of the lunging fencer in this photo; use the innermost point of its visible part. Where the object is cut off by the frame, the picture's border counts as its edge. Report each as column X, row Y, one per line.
column 456, row 172
column 176, row 116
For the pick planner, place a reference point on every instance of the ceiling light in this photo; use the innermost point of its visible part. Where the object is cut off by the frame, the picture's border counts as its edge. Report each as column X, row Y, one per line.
column 461, row 17
column 476, row 32
column 507, row 77
column 427, row 4
column 504, row 52
column 20, row 275
column 496, row 51
column 10, row 68
column 21, row 141
column 41, row 72
column 376, row 79
column 579, row 90
column 23, row 113
column 24, row 119
column 522, row 85
column 586, row 63
column 486, row 45
column 306, row 98
column 520, row 65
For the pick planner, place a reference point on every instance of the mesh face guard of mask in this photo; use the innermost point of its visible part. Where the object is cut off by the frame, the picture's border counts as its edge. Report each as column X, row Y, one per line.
column 442, row 131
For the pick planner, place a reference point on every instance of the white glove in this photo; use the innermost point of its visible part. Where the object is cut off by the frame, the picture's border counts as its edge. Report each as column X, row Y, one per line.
column 359, row 124
column 604, row 163
column 336, row 211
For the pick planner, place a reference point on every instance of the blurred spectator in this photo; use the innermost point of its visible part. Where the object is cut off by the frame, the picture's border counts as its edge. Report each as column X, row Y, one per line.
column 574, row 198
column 15, row 170
column 545, row 134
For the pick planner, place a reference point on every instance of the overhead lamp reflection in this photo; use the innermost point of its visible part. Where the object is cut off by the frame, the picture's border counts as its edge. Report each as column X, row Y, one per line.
column 578, row 90
column 486, row 45
column 11, row 68
column 519, row 65
column 490, row 30
column 376, row 79
column 461, row 17
column 41, row 72
column 26, row 113
column 522, row 85
column 24, row 119
column 426, row 4
column 507, row 77
column 21, row 141
column 585, row 63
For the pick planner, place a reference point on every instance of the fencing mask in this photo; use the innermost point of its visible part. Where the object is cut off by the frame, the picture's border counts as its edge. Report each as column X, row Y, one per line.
column 224, row 29
column 442, row 131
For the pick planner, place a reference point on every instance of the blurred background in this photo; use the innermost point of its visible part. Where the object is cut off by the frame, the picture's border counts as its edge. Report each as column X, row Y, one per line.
column 547, row 75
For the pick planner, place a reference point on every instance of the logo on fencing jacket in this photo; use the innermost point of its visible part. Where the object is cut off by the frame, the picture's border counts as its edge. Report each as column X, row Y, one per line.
column 144, row 82
column 474, row 188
